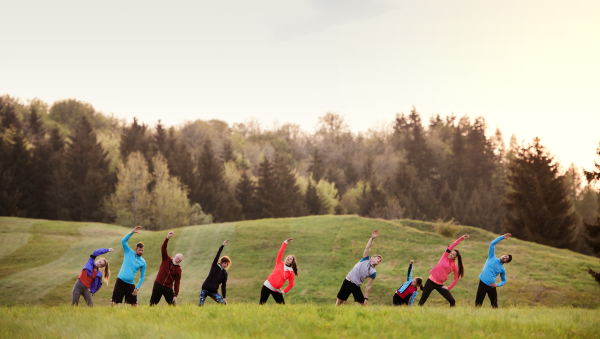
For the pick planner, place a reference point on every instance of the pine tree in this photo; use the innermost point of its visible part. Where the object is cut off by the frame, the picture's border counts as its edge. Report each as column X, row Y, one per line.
column 20, row 166
column 287, row 194
column 418, row 153
column 539, row 208
column 592, row 232
column 316, row 167
column 35, row 127
column 134, row 139
column 227, row 152
column 89, row 178
column 8, row 197
column 265, row 191
column 59, row 185
column 160, row 142
column 313, row 202
column 245, row 194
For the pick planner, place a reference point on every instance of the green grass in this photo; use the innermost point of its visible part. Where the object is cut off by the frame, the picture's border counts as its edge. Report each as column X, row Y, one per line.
column 297, row 321
column 41, row 260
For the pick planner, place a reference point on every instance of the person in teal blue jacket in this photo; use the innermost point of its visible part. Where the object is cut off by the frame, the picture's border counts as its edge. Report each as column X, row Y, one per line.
column 487, row 279
column 408, row 291
column 132, row 263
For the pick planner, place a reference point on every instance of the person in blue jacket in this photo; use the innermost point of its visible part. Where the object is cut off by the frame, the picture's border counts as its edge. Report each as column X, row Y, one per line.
column 406, row 294
column 90, row 278
column 132, row 263
column 487, row 279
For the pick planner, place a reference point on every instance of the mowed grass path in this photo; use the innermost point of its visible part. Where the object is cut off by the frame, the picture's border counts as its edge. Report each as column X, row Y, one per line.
column 40, row 261
column 297, row 321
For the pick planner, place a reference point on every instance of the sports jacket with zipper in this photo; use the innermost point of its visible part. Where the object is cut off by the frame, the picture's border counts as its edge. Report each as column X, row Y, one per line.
column 493, row 266
column 216, row 276
column 168, row 273
column 132, row 263
column 406, row 284
column 281, row 273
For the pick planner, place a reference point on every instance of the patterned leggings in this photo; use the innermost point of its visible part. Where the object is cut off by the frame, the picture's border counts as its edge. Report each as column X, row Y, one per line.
column 214, row 295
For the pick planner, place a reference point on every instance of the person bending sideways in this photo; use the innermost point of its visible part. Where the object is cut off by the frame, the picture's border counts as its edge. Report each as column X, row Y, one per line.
column 407, row 293
column 363, row 269
column 439, row 274
column 487, row 279
column 283, row 271
column 90, row 278
column 132, row 263
column 217, row 276
column 169, row 274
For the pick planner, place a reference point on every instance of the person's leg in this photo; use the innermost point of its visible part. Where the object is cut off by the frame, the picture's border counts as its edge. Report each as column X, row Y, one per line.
column 278, row 297
column 265, row 292
column 169, row 295
column 76, row 293
column 203, row 294
column 156, row 294
column 118, row 293
column 217, row 297
column 446, row 294
column 343, row 293
column 87, row 295
column 480, row 296
column 493, row 294
column 129, row 297
column 358, row 295
column 429, row 286
column 396, row 300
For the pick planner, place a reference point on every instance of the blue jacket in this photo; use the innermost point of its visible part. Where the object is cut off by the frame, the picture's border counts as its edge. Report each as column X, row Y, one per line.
column 493, row 266
column 406, row 284
column 89, row 267
column 131, row 264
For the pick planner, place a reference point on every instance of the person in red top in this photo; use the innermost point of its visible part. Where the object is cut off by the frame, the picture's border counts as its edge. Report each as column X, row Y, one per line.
column 90, row 279
column 169, row 273
column 280, row 274
column 439, row 274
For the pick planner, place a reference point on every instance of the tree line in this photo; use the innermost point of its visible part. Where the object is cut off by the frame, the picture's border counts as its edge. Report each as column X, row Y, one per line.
column 67, row 161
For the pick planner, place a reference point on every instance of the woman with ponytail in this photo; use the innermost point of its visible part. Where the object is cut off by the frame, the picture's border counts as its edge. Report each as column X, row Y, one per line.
column 439, row 274
column 281, row 273
column 90, row 279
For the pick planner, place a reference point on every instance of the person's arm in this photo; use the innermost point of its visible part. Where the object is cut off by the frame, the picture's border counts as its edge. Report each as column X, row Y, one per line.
column 368, row 290
column 224, row 287
column 451, row 247
column 100, row 251
column 126, row 247
column 503, row 277
column 492, row 250
column 163, row 250
column 409, row 275
column 290, row 284
column 367, row 251
column 412, row 298
column 142, row 276
column 177, row 282
column 280, row 254
column 455, row 279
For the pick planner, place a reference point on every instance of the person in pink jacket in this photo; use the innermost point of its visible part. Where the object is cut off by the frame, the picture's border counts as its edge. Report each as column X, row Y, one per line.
column 439, row 274
column 281, row 273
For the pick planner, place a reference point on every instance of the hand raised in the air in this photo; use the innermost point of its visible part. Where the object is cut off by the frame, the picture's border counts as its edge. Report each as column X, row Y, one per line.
column 136, row 229
column 375, row 234
column 466, row 236
column 507, row 235
column 225, row 242
column 412, row 262
column 111, row 250
column 172, row 233
column 288, row 240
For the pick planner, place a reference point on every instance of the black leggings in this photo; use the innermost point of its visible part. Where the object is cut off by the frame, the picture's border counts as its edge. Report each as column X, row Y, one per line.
column 265, row 292
column 484, row 289
column 397, row 301
column 430, row 286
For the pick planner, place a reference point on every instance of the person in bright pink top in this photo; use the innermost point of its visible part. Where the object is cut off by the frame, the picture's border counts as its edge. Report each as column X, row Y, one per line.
column 439, row 274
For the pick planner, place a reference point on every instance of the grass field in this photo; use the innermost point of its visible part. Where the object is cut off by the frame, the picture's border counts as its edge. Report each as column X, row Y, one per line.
column 40, row 261
column 297, row 321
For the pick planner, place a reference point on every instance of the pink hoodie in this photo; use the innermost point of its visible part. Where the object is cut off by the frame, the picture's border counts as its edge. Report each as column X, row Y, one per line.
column 440, row 272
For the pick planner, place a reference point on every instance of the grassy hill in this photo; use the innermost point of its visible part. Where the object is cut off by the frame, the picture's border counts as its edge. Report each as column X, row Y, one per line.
column 41, row 259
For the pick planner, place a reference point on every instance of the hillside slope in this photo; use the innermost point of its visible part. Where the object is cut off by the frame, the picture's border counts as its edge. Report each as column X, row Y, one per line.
column 41, row 259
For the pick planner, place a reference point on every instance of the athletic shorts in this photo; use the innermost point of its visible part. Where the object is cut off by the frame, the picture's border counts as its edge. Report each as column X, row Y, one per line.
column 123, row 289
column 350, row 287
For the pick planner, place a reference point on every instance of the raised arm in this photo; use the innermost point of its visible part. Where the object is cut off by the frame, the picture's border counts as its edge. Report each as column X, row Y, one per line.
column 409, row 275
column 367, row 251
column 214, row 263
column 100, row 251
column 451, row 247
column 492, row 250
column 126, row 247
column 280, row 254
column 163, row 249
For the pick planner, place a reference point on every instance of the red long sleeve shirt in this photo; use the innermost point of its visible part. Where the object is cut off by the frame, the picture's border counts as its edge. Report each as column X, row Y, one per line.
column 168, row 273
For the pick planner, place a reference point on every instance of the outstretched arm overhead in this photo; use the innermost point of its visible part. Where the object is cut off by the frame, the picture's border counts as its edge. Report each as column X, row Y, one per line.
column 492, row 250
column 454, row 244
column 409, row 275
column 163, row 249
column 100, row 251
column 280, row 254
column 216, row 260
column 367, row 251
column 126, row 247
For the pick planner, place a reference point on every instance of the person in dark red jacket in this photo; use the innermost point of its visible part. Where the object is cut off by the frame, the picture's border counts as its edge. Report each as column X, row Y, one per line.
column 168, row 275
column 217, row 276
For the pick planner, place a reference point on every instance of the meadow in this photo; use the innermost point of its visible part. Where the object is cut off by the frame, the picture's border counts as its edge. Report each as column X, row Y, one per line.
column 297, row 321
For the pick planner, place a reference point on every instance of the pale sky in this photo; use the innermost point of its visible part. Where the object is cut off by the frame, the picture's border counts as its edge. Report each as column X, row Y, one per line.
column 530, row 67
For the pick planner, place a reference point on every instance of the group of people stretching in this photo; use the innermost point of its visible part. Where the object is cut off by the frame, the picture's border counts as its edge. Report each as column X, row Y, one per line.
column 168, row 278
